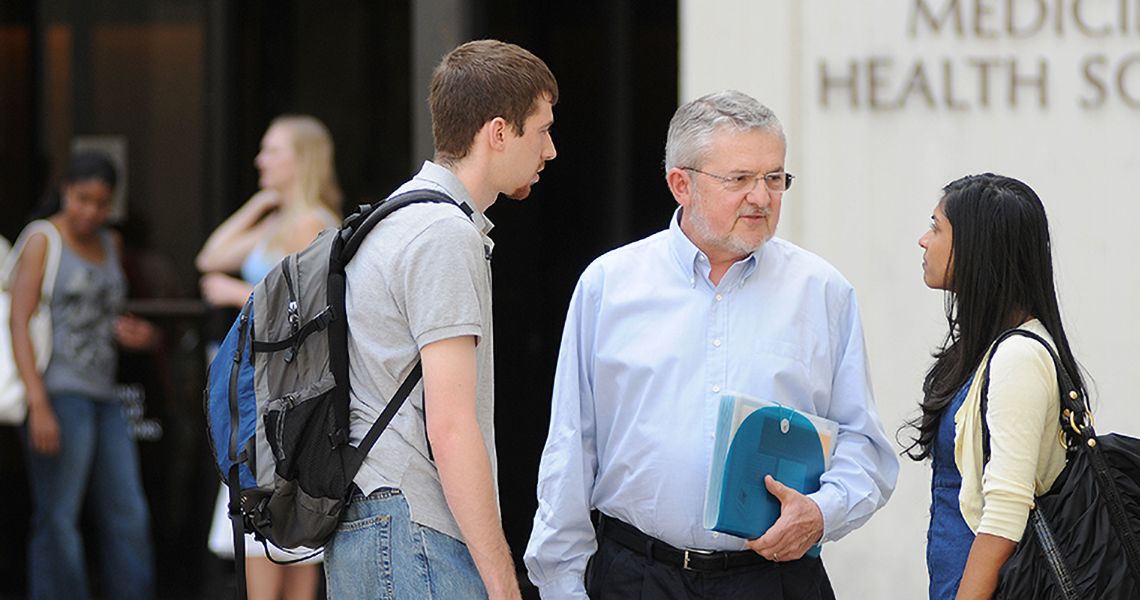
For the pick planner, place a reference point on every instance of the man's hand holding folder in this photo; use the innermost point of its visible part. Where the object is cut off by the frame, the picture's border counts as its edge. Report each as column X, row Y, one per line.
column 799, row 527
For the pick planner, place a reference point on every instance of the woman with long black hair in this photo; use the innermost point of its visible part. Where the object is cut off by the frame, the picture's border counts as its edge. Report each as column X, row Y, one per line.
column 988, row 248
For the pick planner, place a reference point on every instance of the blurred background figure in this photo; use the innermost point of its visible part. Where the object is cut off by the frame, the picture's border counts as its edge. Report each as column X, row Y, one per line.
column 299, row 197
column 77, row 437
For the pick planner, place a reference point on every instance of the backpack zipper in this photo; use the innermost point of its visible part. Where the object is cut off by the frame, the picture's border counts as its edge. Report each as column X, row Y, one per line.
column 294, row 309
column 288, row 401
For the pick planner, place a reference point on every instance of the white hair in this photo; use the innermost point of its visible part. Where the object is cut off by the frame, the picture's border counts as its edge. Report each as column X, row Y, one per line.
column 693, row 125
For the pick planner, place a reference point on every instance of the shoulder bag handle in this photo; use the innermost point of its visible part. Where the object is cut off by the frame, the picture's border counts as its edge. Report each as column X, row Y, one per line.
column 1075, row 415
column 51, row 267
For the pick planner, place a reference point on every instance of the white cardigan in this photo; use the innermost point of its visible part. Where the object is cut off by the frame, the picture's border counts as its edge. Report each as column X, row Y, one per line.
column 1026, row 455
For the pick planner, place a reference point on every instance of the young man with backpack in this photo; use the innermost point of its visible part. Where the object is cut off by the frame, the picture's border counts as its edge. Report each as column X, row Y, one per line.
column 425, row 522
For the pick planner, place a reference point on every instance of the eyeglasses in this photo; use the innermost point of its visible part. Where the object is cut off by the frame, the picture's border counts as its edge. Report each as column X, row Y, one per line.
column 775, row 182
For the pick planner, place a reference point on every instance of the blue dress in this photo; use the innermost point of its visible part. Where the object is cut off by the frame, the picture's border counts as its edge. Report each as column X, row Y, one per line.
column 948, row 539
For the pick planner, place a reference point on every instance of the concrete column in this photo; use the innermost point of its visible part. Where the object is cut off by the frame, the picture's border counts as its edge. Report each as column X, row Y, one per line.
column 437, row 27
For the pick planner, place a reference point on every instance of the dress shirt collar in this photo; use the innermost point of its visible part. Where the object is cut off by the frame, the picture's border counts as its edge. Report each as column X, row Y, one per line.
column 441, row 177
column 695, row 264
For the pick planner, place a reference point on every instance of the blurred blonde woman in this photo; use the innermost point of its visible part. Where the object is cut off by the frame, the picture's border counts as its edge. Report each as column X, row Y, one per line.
column 299, row 197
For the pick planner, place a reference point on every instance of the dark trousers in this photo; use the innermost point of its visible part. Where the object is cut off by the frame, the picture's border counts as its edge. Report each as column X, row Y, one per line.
column 618, row 573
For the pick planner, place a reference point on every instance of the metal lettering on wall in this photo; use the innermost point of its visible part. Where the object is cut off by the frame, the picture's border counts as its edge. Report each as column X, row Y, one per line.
column 133, row 397
column 979, row 81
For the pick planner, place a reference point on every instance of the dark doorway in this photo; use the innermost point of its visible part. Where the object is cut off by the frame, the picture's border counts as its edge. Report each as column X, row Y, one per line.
column 616, row 64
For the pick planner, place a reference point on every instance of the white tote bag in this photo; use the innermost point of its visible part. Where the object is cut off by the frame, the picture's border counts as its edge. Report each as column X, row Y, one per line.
column 13, row 405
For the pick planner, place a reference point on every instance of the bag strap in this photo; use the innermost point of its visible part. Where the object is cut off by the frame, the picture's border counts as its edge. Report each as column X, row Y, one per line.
column 344, row 247
column 51, row 265
column 237, row 517
column 237, row 524
column 357, row 225
column 1074, row 415
column 385, row 417
column 317, row 323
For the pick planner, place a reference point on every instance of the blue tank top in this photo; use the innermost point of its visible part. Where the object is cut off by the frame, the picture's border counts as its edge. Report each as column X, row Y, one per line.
column 948, row 539
column 261, row 260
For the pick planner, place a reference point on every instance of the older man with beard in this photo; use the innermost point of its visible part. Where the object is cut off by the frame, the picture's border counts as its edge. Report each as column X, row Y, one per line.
column 656, row 330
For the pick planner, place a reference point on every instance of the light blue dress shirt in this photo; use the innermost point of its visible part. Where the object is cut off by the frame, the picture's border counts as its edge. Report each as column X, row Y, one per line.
column 648, row 346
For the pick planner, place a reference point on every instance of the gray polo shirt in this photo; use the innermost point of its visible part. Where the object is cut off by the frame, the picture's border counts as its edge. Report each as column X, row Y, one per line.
column 421, row 276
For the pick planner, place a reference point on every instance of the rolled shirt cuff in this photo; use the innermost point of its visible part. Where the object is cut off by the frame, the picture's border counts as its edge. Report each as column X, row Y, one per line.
column 833, row 506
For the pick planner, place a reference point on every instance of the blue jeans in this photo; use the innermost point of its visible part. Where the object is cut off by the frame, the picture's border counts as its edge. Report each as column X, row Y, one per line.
column 378, row 552
column 97, row 459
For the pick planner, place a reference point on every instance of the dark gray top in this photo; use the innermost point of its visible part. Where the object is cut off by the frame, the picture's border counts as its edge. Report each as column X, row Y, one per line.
column 86, row 299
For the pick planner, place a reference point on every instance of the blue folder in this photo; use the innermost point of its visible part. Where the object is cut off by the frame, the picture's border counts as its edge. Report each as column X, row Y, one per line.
column 771, row 440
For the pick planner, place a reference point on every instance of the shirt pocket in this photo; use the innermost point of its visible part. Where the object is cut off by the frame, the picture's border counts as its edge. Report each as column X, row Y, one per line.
column 782, row 371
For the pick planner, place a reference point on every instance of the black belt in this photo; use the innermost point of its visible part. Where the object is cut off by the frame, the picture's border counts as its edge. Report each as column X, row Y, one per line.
column 691, row 560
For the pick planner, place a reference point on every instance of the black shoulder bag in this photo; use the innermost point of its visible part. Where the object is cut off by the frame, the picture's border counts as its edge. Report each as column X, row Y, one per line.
column 1081, row 540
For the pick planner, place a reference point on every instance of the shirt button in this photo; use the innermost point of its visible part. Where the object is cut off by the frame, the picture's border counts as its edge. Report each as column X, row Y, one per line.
column 719, row 297
column 716, row 389
column 716, row 343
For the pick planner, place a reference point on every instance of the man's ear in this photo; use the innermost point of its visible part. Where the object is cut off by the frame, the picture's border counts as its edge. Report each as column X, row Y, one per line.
column 681, row 185
column 496, row 131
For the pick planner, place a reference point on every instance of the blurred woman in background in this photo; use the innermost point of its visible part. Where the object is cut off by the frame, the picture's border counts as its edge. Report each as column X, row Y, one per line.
column 299, row 197
column 78, row 438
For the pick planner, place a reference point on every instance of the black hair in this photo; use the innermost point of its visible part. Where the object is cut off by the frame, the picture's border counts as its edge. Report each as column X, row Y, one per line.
column 85, row 165
column 1002, row 273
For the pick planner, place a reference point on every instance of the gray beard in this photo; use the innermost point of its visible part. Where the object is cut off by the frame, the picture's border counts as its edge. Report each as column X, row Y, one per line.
column 704, row 231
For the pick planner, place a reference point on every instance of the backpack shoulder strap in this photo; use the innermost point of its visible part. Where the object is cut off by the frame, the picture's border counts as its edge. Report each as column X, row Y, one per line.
column 360, row 223
column 352, row 232
column 385, row 417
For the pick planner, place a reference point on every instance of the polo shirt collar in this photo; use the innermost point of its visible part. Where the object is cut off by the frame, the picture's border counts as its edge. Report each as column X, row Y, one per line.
column 441, row 177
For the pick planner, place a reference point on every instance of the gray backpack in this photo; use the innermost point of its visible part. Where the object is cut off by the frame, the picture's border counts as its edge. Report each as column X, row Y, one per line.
column 277, row 394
